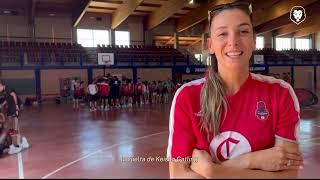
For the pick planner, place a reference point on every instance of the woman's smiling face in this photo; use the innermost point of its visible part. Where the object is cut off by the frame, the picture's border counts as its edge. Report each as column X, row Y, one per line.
column 232, row 39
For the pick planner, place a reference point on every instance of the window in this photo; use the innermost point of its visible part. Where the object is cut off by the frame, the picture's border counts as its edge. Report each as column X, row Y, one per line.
column 91, row 38
column 283, row 43
column 303, row 44
column 100, row 37
column 122, row 38
column 260, row 42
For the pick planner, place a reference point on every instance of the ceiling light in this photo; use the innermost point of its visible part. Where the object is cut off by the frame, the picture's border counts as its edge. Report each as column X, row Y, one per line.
column 7, row 12
column 191, row 2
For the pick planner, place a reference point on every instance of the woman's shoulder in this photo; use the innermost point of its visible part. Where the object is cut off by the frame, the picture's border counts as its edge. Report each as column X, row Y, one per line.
column 271, row 81
column 191, row 88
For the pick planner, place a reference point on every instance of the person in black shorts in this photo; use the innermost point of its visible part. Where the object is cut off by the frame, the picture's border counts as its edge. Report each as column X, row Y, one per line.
column 115, row 91
column 76, row 95
column 13, row 103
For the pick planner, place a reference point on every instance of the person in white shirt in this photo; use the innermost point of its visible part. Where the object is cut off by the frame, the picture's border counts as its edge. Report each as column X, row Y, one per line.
column 73, row 82
column 145, row 92
column 92, row 95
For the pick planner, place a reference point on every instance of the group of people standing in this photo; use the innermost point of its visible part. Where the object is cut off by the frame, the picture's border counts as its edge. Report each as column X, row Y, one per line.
column 108, row 92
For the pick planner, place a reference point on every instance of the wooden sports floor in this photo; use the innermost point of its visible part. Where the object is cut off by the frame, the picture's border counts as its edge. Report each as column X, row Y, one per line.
column 84, row 144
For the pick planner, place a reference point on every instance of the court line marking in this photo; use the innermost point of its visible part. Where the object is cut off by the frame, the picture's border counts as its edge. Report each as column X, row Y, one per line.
column 101, row 150
column 20, row 165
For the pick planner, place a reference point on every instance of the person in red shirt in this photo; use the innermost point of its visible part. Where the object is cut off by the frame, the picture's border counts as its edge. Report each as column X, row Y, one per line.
column 82, row 90
column 139, row 95
column 125, row 92
column 234, row 123
column 104, row 92
column 131, row 92
column 153, row 92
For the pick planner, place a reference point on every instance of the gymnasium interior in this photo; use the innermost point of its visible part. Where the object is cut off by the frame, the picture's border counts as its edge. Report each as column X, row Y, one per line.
column 45, row 44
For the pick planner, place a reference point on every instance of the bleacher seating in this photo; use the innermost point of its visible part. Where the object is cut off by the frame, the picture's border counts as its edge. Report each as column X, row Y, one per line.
column 47, row 53
column 290, row 56
column 144, row 54
column 36, row 53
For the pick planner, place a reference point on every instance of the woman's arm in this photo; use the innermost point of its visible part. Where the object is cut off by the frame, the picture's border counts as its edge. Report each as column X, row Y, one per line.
column 272, row 159
column 206, row 168
column 220, row 171
column 182, row 170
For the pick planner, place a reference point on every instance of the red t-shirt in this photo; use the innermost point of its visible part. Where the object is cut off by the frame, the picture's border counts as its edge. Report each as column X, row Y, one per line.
column 139, row 87
column 263, row 109
column 131, row 88
column 125, row 89
column 104, row 89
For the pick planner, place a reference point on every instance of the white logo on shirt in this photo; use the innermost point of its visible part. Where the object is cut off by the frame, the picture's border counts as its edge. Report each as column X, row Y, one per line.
column 228, row 145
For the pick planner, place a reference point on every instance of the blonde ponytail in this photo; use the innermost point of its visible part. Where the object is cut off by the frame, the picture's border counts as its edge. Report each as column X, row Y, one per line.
column 213, row 100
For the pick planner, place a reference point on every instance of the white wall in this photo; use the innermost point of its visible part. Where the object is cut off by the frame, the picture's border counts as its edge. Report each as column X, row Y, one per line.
column 133, row 24
column 89, row 21
column 154, row 74
column 279, row 70
column 58, row 27
column 18, row 28
column 165, row 28
column 124, row 72
column 303, row 77
column 50, row 79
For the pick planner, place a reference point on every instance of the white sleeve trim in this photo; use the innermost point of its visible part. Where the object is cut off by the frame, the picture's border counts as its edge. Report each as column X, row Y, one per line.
column 171, row 118
column 286, row 139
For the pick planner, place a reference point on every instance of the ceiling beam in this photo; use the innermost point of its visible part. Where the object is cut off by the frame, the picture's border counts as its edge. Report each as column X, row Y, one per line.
column 170, row 41
column 168, row 9
column 284, row 20
column 195, row 42
column 79, row 12
column 198, row 15
column 264, row 4
column 150, row 5
column 292, row 27
column 108, row 1
column 306, row 31
column 273, row 25
column 124, row 11
column 283, row 7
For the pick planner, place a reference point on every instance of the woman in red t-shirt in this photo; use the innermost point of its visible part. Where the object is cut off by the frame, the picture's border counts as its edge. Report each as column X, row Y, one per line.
column 233, row 123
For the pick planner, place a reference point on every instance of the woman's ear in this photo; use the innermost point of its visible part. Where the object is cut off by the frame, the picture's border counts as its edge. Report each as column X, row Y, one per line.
column 210, row 46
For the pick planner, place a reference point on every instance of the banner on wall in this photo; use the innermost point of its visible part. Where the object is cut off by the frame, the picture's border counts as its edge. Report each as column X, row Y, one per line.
column 106, row 59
